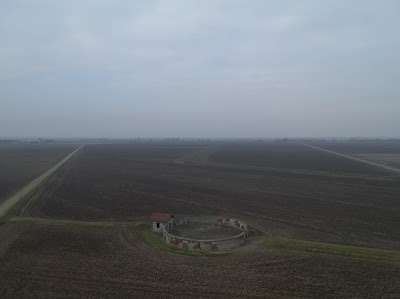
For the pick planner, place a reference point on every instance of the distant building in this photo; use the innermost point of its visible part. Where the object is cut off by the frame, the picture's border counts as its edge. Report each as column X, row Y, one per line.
column 161, row 219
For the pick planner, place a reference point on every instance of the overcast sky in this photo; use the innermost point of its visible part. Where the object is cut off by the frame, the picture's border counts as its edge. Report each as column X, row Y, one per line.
column 199, row 68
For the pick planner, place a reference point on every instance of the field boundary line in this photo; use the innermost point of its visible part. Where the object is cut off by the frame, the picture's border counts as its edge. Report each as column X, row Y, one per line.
column 19, row 195
column 375, row 164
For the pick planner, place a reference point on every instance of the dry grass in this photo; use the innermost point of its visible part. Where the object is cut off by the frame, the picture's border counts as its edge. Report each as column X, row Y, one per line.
column 332, row 249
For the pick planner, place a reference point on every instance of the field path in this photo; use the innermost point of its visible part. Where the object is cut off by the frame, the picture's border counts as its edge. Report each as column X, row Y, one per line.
column 9, row 203
column 378, row 165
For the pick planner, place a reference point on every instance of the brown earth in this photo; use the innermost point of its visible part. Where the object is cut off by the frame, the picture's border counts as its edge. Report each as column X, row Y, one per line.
column 383, row 152
column 129, row 182
column 289, row 156
column 366, row 147
column 21, row 163
column 333, row 202
column 79, row 262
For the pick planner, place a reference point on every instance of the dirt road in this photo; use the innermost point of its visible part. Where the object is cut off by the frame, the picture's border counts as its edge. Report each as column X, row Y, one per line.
column 385, row 167
column 7, row 205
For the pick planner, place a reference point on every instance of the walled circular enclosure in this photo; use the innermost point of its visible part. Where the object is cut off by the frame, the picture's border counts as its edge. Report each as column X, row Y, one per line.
column 207, row 233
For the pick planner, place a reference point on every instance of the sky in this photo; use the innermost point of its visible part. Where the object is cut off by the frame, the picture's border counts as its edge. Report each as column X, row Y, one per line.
column 209, row 68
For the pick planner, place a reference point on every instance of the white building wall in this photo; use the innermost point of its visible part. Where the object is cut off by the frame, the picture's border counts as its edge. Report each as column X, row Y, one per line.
column 159, row 229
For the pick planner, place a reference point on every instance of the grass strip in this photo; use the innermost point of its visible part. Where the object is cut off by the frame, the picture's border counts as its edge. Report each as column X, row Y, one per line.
column 332, row 249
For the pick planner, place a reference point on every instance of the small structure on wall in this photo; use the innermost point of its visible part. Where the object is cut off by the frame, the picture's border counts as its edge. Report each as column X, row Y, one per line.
column 159, row 220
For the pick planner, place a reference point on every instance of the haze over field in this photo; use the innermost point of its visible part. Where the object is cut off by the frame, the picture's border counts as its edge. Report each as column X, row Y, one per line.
column 199, row 68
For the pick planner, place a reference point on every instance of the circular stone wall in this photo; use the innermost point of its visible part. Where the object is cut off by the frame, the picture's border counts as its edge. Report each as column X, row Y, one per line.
column 208, row 234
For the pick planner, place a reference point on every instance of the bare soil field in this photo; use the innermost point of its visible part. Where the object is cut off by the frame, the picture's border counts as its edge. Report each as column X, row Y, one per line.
column 21, row 163
column 81, row 262
column 386, row 159
column 383, row 152
column 366, row 147
column 288, row 156
column 157, row 151
column 118, row 182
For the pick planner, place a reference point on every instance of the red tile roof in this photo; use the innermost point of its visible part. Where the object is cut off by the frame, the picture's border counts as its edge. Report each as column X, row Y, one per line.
column 160, row 217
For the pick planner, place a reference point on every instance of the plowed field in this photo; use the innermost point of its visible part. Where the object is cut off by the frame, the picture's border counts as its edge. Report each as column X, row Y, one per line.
column 129, row 182
column 21, row 163
column 75, row 262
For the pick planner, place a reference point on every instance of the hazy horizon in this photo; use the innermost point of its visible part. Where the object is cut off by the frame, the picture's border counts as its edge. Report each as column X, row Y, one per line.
column 199, row 69
column 188, row 138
